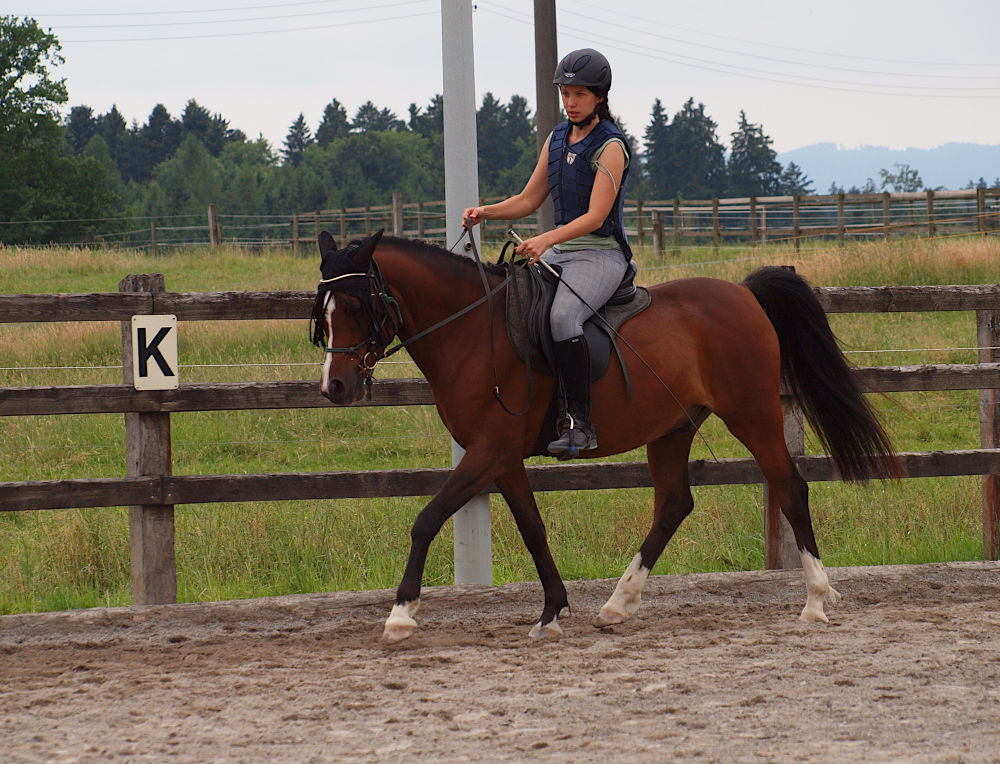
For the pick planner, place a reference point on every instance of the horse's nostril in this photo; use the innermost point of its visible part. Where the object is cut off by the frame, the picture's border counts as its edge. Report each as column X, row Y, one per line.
column 336, row 389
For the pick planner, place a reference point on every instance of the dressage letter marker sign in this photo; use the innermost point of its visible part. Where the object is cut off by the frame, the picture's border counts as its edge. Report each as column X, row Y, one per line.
column 154, row 352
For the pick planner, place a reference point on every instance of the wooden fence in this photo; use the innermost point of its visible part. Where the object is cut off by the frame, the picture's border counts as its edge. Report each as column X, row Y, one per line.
column 668, row 226
column 150, row 490
column 671, row 225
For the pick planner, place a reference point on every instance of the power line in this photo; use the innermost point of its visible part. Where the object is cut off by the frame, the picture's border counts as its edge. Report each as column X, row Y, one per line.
column 646, row 21
column 310, row 28
column 765, row 75
column 240, row 20
column 197, row 10
column 786, row 60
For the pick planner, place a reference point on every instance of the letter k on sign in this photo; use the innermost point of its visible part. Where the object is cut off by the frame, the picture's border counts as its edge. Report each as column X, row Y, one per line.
column 154, row 352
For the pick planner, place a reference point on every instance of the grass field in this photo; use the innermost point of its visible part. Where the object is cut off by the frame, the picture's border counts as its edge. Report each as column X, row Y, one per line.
column 79, row 558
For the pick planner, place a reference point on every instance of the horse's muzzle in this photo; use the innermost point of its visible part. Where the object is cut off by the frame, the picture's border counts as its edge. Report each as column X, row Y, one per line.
column 343, row 391
column 336, row 391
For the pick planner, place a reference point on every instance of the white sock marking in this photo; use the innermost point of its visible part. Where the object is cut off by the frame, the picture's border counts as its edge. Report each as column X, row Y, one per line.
column 400, row 623
column 625, row 601
column 818, row 589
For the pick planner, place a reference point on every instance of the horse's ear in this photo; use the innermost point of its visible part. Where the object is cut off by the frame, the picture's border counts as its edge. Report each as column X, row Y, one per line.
column 326, row 242
column 363, row 254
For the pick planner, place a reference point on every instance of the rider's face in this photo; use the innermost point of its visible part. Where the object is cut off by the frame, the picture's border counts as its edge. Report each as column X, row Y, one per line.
column 579, row 101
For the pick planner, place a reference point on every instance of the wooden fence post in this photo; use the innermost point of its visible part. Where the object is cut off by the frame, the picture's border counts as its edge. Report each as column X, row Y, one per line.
column 678, row 227
column 754, row 232
column 981, row 211
column 295, row 232
column 841, row 224
column 397, row 213
column 639, row 224
column 147, row 445
column 420, row 219
column 716, row 229
column 658, row 247
column 796, row 221
column 343, row 226
column 780, row 550
column 931, row 228
column 886, row 215
column 988, row 335
column 214, row 233
column 152, row 237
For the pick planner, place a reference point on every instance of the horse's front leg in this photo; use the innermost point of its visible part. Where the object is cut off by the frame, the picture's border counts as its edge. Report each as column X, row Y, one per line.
column 516, row 489
column 470, row 477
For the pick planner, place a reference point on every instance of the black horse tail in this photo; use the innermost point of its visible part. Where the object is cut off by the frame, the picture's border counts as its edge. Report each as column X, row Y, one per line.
column 818, row 374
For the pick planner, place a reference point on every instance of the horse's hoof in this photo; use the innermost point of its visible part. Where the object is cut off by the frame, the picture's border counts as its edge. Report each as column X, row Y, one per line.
column 400, row 623
column 813, row 615
column 550, row 630
column 397, row 632
column 607, row 616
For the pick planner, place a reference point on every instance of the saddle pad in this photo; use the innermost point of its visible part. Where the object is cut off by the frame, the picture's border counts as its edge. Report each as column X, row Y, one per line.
column 528, row 301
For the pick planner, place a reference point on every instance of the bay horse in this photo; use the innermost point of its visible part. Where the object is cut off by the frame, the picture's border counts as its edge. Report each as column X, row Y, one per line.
column 707, row 346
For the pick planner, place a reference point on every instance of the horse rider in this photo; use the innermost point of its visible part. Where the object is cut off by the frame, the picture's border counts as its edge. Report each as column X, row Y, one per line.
column 583, row 167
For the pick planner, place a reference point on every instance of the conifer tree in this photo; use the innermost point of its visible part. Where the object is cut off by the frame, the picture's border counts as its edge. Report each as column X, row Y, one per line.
column 753, row 166
column 299, row 138
column 335, row 123
column 656, row 141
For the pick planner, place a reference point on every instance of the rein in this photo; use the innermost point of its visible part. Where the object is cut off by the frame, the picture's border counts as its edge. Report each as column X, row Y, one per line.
column 493, row 353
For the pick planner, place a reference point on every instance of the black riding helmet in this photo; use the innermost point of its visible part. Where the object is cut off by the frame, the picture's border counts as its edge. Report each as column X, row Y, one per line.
column 584, row 67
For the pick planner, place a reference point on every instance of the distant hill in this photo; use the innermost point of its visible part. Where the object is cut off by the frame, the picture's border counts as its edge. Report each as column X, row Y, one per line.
column 951, row 165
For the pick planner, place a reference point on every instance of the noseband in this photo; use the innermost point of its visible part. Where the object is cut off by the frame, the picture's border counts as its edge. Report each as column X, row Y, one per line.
column 382, row 316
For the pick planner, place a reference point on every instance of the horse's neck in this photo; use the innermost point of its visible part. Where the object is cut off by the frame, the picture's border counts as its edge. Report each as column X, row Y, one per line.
column 429, row 289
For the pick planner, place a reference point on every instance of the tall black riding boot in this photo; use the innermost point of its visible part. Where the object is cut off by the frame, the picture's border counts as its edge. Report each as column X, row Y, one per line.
column 576, row 433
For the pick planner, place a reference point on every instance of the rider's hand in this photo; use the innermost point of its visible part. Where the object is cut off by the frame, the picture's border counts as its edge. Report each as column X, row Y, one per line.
column 473, row 216
column 533, row 248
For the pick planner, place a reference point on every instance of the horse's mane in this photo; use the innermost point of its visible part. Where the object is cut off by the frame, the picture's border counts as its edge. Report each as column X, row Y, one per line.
column 426, row 248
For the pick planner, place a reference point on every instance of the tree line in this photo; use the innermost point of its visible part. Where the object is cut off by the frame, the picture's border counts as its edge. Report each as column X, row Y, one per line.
column 86, row 167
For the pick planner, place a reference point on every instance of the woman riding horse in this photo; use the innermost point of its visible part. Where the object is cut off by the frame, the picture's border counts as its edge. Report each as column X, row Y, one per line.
column 584, row 167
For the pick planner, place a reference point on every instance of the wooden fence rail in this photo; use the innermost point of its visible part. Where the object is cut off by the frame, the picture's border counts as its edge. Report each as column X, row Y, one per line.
column 151, row 490
column 684, row 222
column 666, row 224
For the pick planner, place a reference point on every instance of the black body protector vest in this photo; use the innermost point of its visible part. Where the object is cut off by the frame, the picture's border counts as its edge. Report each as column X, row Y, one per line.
column 571, row 179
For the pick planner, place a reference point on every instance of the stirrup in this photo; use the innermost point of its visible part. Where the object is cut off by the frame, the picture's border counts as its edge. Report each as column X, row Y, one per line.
column 573, row 439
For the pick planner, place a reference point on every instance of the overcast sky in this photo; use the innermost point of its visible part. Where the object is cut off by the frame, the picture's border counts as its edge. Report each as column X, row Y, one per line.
column 913, row 73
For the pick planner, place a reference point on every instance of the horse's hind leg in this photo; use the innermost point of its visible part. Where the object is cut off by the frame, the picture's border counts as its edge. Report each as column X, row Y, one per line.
column 517, row 492
column 792, row 494
column 667, row 457
column 785, row 484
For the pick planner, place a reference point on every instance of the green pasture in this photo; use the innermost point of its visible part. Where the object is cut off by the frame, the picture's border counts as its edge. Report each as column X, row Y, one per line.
column 79, row 558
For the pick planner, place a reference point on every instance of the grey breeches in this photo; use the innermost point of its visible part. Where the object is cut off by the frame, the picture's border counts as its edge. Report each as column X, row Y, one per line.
column 594, row 275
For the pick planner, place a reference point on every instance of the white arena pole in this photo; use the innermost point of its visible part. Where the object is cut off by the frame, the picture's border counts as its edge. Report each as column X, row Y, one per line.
column 473, row 545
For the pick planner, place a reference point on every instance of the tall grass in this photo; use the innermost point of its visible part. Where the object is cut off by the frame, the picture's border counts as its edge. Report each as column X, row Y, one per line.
column 79, row 558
